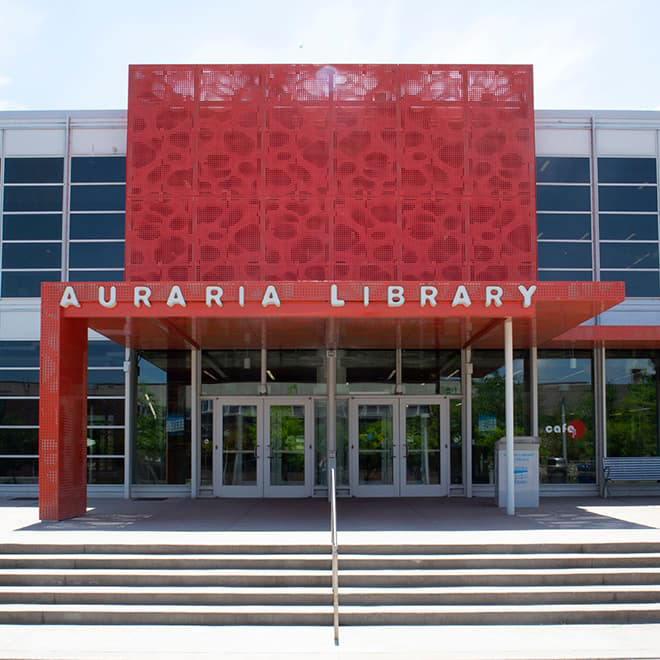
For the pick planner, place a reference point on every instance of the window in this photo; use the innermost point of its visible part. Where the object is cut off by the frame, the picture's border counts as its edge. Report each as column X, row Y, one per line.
column 488, row 423
column 431, row 372
column 563, row 198
column 562, row 170
column 565, row 255
column 162, row 444
column 231, row 372
column 96, row 224
column 626, row 170
column 32, row 225
column 566, row 417
column 632, row 403
column 19, row 412
column 628, row 224
column 105, row 412
column 564, row 231
column 563, row 226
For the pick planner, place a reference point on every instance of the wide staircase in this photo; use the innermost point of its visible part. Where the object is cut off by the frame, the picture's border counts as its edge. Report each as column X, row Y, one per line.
column 404, row 584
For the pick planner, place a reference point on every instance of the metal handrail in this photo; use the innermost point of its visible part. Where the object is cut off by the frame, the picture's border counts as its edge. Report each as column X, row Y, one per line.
column 335, row 559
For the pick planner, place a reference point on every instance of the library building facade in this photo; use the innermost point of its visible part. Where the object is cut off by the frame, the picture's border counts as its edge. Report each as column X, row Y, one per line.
column 261, row 272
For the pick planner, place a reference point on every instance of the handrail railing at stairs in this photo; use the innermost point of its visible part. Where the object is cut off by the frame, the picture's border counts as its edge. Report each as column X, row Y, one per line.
column 335, row 559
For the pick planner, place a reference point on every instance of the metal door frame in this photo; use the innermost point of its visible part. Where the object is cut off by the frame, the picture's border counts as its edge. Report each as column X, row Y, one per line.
column 262, row 488
column 366, row 490
column 417, row 490
column 305, row 490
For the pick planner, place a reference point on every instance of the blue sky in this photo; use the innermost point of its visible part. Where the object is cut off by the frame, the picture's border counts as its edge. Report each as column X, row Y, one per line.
column 73, row 54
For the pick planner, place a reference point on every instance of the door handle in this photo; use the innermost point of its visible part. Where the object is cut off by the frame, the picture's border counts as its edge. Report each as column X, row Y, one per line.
column 256, row 452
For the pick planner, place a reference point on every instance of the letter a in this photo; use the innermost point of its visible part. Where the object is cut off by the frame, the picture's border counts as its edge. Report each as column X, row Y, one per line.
column 176, row 297
column 461, row 297
column 270, row 297
column 69, row 298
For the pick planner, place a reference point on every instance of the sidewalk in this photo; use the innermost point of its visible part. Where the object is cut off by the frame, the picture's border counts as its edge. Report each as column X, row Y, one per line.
column 360, row 521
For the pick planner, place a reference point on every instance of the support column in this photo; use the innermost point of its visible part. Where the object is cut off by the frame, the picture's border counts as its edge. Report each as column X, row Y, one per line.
column 130, row 390
column 331, row 413
column 195, row 421
column 508, row 400
column 534, row 389
column 62, row 412
column 467, row 420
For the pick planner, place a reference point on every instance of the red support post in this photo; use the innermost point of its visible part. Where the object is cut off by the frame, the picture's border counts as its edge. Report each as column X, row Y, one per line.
column 62, row 411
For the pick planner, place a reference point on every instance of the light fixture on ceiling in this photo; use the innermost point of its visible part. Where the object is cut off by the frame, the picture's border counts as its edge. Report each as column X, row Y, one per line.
column 270, row 374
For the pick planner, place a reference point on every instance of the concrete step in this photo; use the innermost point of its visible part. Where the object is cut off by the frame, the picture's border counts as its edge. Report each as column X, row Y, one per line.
column 315, row 578
column 174, row 596
column 322, row 615
column 631, row 547
column 184, row 577
column 323, row 562
column 159, row 562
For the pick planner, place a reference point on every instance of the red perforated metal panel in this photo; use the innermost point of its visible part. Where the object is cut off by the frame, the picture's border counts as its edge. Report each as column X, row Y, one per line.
column 62, row 411
column 346, row 172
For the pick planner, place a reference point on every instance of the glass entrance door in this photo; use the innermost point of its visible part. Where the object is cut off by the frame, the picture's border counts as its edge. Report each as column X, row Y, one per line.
column 424, row 434
column 288, row 448
column 373, row 445
column 263, row 447
column 238, row 448
column 399, row 446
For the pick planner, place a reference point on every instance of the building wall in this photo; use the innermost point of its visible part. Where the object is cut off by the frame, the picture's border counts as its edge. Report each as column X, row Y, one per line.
column 63, row 218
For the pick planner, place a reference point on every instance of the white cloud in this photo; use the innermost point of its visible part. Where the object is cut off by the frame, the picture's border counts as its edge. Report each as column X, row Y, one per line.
column 4, row 80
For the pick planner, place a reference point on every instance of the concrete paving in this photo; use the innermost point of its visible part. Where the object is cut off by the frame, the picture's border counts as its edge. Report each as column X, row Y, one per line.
column 360, row 521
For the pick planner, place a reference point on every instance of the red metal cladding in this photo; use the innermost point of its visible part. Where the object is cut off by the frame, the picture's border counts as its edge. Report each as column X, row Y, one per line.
column 62, row 412
column 346, row 172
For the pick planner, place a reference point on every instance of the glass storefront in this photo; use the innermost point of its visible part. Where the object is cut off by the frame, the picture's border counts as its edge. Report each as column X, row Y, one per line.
column 488, row 422
column 162, row 437
column 632, row 391
column 566, row 417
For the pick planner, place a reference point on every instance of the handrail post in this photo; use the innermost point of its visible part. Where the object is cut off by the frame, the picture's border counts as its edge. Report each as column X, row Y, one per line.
column 335, row 561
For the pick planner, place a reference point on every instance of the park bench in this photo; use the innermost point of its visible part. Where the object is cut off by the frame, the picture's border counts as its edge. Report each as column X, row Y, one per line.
column 630, row 468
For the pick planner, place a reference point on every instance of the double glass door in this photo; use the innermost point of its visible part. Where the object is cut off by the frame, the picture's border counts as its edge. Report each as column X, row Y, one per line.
column 399, row 446
column 262, row 447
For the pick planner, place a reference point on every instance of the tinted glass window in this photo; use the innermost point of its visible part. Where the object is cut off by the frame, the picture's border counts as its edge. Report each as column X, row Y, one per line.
column 626, row 170
column 19, row 353
column 563, row 198
column 24, row 382
column 105, row 441
column 105, row 411
column 564, row 255
column 96, row 275
column 562, row 170
column 568, row 225
column 628, row 198
column 98, row 198
column 629, row 255
column 26, row 284
column 97, row 225
column 108, row 382
column 19, row 441
column 19, row 470
column 34, row 170
column 96, row 255
column 32, row 227
column 31, row 255
column 639, row 284
column 90, row 169
column 565, row 275
column 20, row 412
column 628, row 227
column 105, row 354
column 33, row 198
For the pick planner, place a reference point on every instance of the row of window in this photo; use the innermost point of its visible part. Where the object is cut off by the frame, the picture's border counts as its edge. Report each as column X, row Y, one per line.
column 162, row 450
column 32, row 222
column 19, row 409
column 563, row 169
